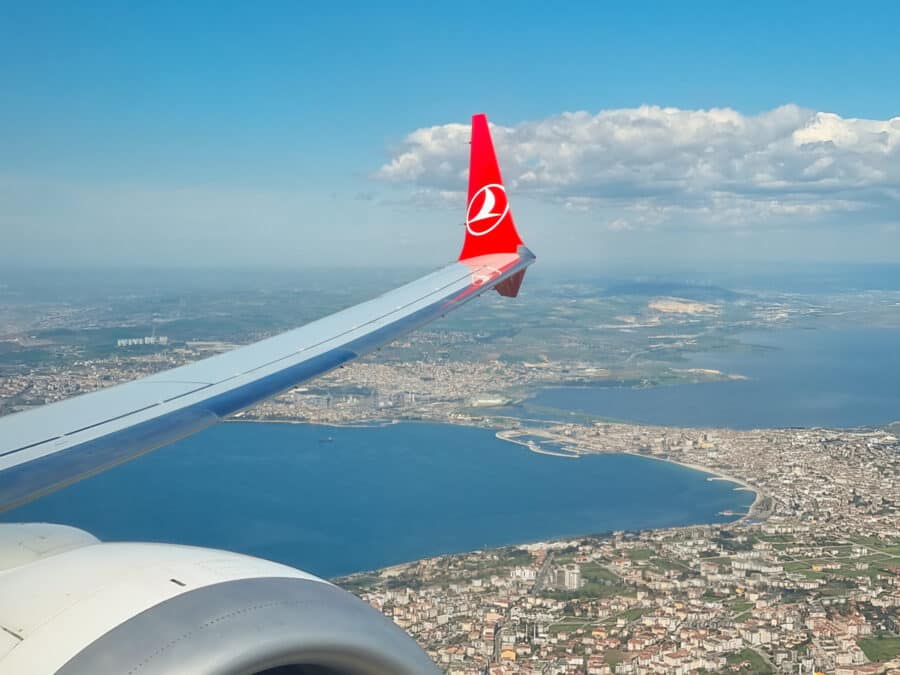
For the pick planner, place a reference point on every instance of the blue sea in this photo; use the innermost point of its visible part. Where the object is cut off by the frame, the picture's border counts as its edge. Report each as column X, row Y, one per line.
column 796, row 378
column 339, row 500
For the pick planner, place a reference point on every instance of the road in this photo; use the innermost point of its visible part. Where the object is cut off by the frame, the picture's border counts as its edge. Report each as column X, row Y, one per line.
column 540, row 580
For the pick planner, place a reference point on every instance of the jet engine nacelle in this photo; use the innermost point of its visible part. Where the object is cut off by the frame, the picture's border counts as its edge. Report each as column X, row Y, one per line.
column 70, row 604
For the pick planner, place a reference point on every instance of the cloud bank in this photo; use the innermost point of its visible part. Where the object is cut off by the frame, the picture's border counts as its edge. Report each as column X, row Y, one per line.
column 650, row 167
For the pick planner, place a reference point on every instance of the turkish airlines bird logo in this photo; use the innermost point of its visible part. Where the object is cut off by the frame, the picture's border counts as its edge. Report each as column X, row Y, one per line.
column 487, row 209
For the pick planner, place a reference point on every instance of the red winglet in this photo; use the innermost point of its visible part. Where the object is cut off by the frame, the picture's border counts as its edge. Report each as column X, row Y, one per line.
column 489, row 222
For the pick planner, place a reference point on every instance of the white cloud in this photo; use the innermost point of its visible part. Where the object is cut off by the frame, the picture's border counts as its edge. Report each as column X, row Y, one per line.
column 649, row 167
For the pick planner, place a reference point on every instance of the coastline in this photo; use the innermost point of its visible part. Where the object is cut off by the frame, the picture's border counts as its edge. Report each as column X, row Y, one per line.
column 712, row 474
column 373, row 424
column 534, row 447
column 715, row 474
column 504, row 435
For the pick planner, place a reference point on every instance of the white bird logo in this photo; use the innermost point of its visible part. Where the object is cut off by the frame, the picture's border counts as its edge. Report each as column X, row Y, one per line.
column 486, row 211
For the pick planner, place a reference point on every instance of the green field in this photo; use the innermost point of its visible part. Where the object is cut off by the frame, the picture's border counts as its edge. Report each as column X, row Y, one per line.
column 633, row 613
column 752, row 661
column 882, row 648
column 639, row 554
column 669, row 564
column 569, row 624
column 891, row 547
column 740, row 606
column 594, row 573
column 614, row 657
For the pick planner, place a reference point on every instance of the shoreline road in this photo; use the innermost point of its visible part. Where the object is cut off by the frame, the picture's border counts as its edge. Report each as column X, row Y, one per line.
column 543, row 573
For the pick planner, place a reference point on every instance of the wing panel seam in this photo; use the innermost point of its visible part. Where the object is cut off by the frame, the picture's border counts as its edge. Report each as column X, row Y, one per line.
column 30, row 445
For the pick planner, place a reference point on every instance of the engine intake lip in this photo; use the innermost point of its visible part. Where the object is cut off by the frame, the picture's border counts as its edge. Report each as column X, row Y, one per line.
column 249, row 626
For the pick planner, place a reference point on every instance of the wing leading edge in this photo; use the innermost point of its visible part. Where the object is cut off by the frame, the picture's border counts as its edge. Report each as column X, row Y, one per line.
column 47, row 448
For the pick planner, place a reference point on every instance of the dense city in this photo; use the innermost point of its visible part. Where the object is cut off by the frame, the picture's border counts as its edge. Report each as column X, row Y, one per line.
column 808, row 580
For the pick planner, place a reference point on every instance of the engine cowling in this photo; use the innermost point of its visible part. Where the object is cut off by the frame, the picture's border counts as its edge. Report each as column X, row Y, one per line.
column 72, row 605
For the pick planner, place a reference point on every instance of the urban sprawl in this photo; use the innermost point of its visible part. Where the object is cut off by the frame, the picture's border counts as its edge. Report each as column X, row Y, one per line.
column 807, row 581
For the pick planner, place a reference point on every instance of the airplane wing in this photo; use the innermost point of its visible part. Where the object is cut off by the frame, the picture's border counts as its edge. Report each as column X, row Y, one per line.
column 47, row 448
column 73, row 605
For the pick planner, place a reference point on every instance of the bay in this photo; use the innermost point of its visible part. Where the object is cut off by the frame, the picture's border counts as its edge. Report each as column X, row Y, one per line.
column 796, row 378
column 338, row 500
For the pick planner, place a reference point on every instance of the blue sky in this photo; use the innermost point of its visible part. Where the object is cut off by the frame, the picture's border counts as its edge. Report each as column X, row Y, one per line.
column 155, row 133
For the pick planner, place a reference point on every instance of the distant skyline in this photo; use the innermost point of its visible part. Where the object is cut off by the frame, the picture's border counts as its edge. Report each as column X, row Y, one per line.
column 290, row 135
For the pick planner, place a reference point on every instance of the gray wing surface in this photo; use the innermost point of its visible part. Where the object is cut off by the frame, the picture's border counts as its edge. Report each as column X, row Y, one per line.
column 47, row 448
